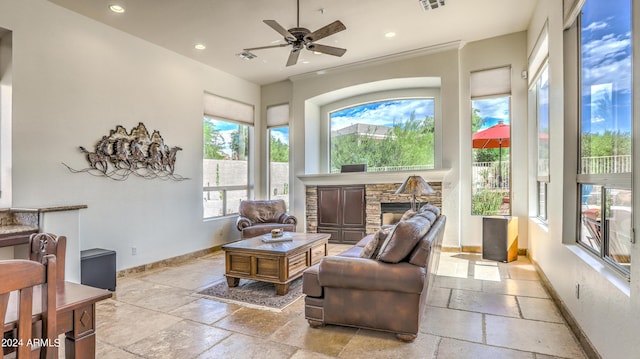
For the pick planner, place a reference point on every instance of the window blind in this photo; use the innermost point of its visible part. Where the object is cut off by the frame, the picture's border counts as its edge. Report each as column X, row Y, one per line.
column 278, row 115
column 571, row 9
column 491, row 82
column 224, row 108
column 539, row 54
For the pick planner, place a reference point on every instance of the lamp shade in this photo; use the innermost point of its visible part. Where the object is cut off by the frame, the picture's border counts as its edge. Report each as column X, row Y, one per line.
column 416, row 186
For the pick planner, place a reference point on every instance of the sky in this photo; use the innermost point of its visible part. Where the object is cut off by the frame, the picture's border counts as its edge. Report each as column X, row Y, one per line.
column 382, row 113
column 606, row 65
column 492, row 110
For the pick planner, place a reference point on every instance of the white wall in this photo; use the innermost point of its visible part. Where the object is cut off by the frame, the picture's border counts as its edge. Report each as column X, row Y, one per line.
column 73, row 81
column 607, row 310
column 507, row 50
column 305, row 127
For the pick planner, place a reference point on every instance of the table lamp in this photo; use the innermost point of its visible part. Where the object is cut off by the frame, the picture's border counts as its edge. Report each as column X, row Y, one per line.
column 415, row 186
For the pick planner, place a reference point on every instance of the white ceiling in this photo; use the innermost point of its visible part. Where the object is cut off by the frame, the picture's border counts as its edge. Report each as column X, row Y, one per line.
column 228, row 26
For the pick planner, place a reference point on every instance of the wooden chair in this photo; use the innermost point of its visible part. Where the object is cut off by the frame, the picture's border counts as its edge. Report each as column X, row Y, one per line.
column 22, row 276
column 43, row 244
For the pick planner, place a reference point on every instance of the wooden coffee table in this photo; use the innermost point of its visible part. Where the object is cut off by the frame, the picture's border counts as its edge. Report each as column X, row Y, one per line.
column 279, row 263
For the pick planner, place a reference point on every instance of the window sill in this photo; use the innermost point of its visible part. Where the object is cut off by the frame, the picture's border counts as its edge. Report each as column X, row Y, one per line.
column 609, row 274
column 436, row 175
column 540, row 223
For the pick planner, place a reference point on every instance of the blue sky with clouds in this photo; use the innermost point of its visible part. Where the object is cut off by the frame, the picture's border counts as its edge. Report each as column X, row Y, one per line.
column 382, row 113
column 606, row 65
column 492, row 111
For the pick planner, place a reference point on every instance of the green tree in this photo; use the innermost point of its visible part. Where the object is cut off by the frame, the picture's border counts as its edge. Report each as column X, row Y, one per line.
column 279, row 150
column 213, row 143
column 240, row 143
column 407, row 143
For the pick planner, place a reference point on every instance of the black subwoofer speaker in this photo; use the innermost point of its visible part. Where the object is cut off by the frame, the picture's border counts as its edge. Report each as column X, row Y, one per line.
column 98, row 268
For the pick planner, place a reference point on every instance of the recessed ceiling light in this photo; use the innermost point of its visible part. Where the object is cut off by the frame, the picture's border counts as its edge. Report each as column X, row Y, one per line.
column 199, row 46
column 116, row 8
column 390, row 34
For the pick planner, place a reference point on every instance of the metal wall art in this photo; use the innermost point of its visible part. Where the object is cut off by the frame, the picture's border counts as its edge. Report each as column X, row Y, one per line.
column 121, row 154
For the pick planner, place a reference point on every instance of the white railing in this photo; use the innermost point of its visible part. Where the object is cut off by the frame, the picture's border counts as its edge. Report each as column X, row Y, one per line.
column 490, row 174
column 606, row 164
column 394, row 168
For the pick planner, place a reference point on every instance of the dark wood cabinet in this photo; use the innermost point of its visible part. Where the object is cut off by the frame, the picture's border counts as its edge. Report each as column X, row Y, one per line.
column 341, row 213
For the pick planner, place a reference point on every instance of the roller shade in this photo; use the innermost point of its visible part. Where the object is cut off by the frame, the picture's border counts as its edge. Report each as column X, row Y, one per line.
column 224, row 108
column 278, row 115
column 491, row 82
column 539, row 54
column 570, row 11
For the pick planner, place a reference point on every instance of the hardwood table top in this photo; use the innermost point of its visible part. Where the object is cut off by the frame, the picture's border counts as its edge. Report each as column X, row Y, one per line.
column 256, row 244
column 70, row 296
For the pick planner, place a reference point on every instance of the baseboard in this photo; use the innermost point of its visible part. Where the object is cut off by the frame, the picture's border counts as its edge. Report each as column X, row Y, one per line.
column 588, row 348
column 476, row 249
column 168, row 262
column 472, row 249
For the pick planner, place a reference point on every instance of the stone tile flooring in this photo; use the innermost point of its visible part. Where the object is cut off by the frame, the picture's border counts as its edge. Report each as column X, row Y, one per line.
column 477, row 309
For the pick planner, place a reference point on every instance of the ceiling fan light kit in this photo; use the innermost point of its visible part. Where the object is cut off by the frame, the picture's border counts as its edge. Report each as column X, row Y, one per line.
column 301, row 38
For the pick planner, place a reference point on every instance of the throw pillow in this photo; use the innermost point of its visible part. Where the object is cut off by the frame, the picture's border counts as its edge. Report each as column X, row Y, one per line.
column 373, row 247
column 403, row 239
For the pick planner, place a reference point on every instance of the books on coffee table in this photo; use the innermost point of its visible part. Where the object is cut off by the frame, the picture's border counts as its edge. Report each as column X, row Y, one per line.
column 283, row 238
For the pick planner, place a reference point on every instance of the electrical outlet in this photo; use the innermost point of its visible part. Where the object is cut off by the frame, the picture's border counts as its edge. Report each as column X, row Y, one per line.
column 577, row 290
column 134, row 251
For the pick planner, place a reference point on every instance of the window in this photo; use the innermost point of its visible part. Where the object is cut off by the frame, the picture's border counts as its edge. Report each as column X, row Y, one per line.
column 605, row 131
column 540, row 94
column 491, row 141
column 225, row 152
column 491, row 166
column 225, row 168
column 278, row 132
column 390, row 135
column 279, row 163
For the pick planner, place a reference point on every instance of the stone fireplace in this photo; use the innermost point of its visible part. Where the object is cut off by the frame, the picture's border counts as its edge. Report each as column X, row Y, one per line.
column 375, row 195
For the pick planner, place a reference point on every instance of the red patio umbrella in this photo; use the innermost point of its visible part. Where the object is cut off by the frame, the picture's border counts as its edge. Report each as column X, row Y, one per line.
column 496, row 136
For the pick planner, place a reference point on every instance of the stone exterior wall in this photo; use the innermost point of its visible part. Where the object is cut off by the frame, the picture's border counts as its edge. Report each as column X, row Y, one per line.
column 374, row 195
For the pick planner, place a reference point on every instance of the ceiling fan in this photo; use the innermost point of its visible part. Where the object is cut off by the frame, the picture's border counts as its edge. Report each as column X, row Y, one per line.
column 300, row 38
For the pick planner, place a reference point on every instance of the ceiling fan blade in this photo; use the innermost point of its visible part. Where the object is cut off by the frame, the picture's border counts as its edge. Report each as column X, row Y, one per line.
column 325, row 31
column 293, row 57
column 281, row 30
column 329, row 50
column 266, row 47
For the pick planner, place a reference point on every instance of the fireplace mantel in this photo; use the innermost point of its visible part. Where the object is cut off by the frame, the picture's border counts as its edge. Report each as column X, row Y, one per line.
column 436, row 175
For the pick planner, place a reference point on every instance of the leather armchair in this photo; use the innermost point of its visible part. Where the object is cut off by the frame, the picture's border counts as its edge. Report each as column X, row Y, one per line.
column 258, row 217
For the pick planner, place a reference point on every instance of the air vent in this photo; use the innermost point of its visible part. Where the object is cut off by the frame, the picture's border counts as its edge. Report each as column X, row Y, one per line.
column 246, row 55
column 431, row 4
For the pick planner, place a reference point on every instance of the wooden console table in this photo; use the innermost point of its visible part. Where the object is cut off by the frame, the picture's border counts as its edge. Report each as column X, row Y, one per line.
column 279, row 263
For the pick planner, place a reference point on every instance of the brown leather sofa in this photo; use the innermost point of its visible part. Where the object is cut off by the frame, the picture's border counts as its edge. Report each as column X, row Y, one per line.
column 386, row 292
column 258, row 217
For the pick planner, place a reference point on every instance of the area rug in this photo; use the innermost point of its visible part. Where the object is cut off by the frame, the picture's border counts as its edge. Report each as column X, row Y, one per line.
column 254, row 294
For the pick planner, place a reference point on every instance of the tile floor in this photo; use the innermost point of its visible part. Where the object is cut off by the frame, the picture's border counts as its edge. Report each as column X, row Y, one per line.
column 477, row 309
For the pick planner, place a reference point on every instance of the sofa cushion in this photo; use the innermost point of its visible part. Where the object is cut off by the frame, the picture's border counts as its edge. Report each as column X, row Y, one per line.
column 366, row 239
column 404, row 238
column 373, row 246
column 429, row 215
column 420, row 254
column 408, row 215
column 431, row 208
